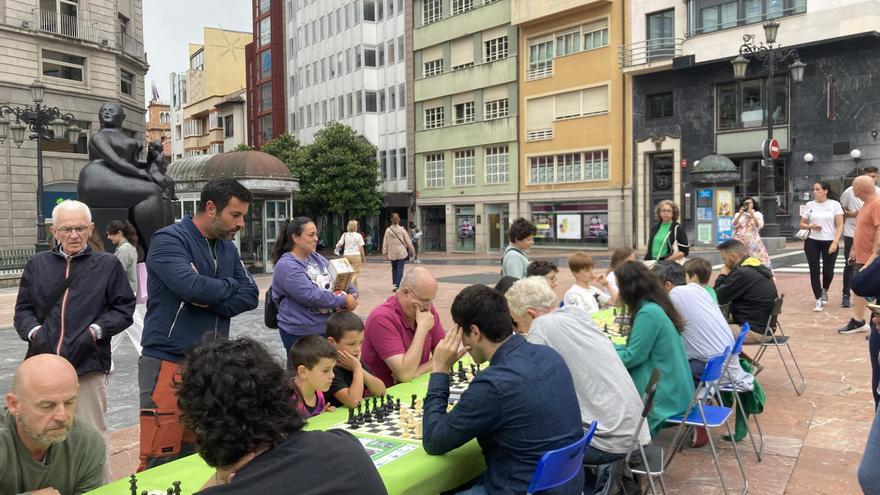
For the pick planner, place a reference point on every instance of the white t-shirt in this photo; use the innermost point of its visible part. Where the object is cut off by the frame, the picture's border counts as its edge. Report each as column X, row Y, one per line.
column 352, row 241
column 849, row 201
column 589, row 299
column 822, row 214
column 612, row 281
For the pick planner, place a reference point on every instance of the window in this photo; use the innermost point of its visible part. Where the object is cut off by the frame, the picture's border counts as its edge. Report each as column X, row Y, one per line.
column 266, row 97
column 705, row 16
column 215, row 148
column 431, row 11
column 435, row 175
column 381, row 94
column 350, row 104
column 359, row 103
column 401, row 158
column 64, row 66
column 358, row 57
column 433, row 117
column 660, row 105
column 661, row 35
column 383, row 171
column 540, row 60
column 264, row 7
column 495, row 109
column 539, row 118
column 433, row 67
column 497, row 165
column 461, row 6
column 595, row 34
column 390, row 51
column 495, row 49
column 370, row 103
column 463, row 168
column 229, row 126
column 541, row 169
column 197, row 61
column 596, row 165
column 461, row 53
column 340, row 107
column 392, row 99
column 381, row 55
column 744, row 106
column 265, row 32
column 567, row 43
column 569, row 167
column 265, row 64
column 401, row 54
column 401, row 95
column 392, row 164
column 194, row 127
column 370, row 10
column 464, row 113
column 331, row 66
column 126, row 82
column 266, row 128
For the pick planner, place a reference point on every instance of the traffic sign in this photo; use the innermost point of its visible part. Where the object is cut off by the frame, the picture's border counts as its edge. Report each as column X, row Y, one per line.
column 770, row 149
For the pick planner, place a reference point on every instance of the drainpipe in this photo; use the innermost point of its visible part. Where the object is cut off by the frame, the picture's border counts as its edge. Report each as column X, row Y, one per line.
column 623, row 128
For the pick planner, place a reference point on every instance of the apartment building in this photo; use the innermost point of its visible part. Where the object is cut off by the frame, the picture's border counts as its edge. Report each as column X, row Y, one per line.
column 159, row 126
column 85, row 53
column 465, row 110
column 346, row 63
column 266, row 107
column 575, row 181
column 687, row 104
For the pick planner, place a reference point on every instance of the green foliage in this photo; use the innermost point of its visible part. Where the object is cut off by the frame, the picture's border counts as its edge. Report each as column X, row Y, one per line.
column 286, row 148
column 243, row 147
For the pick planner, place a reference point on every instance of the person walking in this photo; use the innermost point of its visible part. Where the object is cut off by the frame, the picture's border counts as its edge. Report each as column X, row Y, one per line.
column 851, row 205
column 668, row 240
column 397, row 247
column 747, row 225
column 351, row 246
column 823, row 217
column 865, row 246
column 416, row 238
column 123, row 235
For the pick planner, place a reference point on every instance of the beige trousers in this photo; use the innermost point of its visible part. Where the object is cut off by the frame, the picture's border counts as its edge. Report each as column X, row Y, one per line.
column 355, row 260
column 91, row 406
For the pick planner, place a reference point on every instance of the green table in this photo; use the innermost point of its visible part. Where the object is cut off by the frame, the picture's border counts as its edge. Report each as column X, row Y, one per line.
column 414, row 472
column 606, row 317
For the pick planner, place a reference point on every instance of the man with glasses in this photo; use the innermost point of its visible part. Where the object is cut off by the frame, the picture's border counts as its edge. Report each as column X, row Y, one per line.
column 401, row 333
column 71, row 302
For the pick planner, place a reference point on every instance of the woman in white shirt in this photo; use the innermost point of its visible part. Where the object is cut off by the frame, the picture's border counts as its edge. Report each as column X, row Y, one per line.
column 823, row 217
column 351, row 246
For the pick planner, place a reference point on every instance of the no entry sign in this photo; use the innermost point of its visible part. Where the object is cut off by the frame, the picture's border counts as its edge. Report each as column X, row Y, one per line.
column 770, row 149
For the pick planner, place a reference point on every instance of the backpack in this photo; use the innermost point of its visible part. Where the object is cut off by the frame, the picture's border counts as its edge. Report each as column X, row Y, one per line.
column 270, row 310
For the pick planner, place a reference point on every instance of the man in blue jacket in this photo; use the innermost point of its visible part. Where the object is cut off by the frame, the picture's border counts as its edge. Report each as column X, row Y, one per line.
column 196, row 282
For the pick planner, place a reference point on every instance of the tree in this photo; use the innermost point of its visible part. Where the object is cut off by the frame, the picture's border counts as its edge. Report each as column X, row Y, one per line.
column 286, row 148
column 243, row 147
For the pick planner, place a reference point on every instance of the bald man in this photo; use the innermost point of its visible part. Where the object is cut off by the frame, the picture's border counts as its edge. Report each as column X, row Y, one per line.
column 401, row 333
column 866, row 244
column 44, row 450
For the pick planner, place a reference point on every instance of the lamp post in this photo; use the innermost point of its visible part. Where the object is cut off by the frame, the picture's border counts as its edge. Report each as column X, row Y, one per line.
column 772, row 56
column 40, row 119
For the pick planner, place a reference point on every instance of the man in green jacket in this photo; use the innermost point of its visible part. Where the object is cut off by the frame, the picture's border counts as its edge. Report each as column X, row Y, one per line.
column 44, row 450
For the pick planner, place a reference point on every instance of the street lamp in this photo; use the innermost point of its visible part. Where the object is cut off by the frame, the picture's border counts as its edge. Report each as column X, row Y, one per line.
column 771, row 56
column 40, row 120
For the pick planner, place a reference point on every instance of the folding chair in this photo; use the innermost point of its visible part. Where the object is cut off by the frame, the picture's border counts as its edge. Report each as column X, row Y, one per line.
column 775, row 337
column 731, row 388
column 651, row 461
column 700, row 413
column 559, row 466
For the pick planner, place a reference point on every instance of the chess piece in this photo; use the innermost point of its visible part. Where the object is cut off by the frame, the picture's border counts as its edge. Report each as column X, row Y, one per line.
column 176, row 486
column 417, row 434
column 398, row 403
column 351, row 420
column 169, row 491
column 133, row 483
column 413, row 403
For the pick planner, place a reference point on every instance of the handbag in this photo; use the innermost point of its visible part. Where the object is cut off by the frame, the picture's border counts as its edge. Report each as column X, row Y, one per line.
column 270, row 310
column 802, row 234
column 141, row 295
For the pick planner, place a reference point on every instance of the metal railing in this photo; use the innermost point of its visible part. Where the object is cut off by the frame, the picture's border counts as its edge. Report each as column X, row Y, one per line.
column 130, row 46
column 69, row 26
column 14, row 260
column 648, row 51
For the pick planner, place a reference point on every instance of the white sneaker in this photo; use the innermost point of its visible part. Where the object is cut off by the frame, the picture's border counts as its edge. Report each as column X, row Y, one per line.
column 819, row 305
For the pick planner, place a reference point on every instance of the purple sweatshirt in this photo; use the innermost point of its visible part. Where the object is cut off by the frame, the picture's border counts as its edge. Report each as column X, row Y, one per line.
column 301, row 288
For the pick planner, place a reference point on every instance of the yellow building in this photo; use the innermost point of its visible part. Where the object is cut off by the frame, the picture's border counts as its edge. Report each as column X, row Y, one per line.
column 216, row 69
column 573, row 174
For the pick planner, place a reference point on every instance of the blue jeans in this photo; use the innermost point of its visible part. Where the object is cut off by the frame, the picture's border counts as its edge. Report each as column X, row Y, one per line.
column 874, row 350
column 288, row 340
column 869, row 475
column 600, row 484
column 397, row 272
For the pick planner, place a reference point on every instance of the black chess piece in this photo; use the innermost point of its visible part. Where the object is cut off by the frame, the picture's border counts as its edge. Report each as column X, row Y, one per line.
column 473, row 369
column 169, row 491
column 460, row 366
column 359, row 411
column 374, row 403
column 176, row 486
column 350, row 417
column 133, row 483
column 606, row 328
column 380, row 416
column 413, row 403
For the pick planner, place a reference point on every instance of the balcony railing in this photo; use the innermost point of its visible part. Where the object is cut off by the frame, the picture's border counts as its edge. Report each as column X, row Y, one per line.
column 648, row 51
column 69, row 26
column 130, row 46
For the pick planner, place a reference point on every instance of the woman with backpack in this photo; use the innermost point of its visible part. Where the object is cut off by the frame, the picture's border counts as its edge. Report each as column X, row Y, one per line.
column 351, row 247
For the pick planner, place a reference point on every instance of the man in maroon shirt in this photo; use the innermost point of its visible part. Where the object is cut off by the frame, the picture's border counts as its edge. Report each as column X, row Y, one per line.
column 401, row 333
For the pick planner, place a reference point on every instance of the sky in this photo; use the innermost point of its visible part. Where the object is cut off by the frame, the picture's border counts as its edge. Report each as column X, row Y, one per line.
column 169, row 25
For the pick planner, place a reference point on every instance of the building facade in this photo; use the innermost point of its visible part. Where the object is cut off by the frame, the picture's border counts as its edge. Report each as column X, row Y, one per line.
column 346, row 63
column 575, row 180
column 465, row 111
column 159, row 126
column 686, row 103
column 85, row 54
column 266, row 107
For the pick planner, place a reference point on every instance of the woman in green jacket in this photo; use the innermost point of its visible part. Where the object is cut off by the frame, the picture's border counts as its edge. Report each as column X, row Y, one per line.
column 654, row 342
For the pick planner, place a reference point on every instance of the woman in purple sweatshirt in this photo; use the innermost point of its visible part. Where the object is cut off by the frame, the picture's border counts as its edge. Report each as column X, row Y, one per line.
column 301, row 284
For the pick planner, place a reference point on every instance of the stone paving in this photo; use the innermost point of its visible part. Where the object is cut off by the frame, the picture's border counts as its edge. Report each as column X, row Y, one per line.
column 814, row 441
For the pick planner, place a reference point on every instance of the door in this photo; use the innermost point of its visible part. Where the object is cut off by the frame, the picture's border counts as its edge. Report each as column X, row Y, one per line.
column 275, row 216
column 497, row 217
column 661, row 180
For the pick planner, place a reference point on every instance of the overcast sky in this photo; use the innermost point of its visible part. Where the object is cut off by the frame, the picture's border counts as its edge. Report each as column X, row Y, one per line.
column 170, row 24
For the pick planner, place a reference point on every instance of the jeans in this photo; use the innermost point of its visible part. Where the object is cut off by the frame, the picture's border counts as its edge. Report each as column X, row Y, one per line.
column 600, row 484
column 873, row 350
column 397, row 272
column 869, row 475
column 697, row 368
column 478, row 489
column 848, row 268
column 288, row 340
column 815, row 250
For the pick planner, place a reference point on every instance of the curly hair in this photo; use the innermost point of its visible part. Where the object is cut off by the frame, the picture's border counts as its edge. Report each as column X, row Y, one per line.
column 521, row 229
column 675, row 211
column 639, row 285
column 540, row 267
column 236, row 398
column 484, row 307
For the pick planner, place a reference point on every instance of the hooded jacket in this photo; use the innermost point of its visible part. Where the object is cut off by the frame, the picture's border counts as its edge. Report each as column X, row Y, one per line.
column 750, row 291
column 190, row 291
column 99, row 296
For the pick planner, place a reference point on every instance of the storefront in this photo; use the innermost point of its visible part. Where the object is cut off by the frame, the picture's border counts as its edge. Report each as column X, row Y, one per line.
column 466, row 228
column 433, row 228
column 577, row 223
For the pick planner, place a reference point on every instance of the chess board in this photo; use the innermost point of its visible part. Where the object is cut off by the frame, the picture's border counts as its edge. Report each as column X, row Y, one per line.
column 611, row 323
column 387, row 422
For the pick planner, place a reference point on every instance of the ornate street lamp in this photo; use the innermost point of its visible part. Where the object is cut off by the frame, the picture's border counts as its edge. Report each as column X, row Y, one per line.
column 41, row 120
column 772, row 56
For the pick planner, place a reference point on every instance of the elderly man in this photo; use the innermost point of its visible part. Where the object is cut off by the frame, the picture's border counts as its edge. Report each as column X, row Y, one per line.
column 71, row 302
column 43, row 449
column 605, row 391
column 747, row 286
column 401, row 333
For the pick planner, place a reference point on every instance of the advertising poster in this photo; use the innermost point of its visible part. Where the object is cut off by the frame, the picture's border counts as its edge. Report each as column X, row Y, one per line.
column 704, row 233
column 568, row 227
column 544, row 224
column 596, row 227
column 705, row 211
column 724, row 212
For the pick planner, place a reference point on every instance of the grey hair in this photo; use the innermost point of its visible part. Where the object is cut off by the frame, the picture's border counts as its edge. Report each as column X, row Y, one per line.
column 530, row 292
column 412, row 277
column 71, row 205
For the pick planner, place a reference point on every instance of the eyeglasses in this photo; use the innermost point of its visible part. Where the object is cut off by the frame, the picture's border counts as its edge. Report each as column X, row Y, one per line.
column 666, row 210
column 79, row 229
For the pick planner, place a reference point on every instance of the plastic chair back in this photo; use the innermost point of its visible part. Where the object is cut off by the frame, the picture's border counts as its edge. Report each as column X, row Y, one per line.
column 560, row 466
column 714, row 367
column 738, row 345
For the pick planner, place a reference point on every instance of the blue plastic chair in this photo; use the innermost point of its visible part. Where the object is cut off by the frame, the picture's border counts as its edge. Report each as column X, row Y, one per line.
column 558, row 467
column 701, row 414
column 730, row 387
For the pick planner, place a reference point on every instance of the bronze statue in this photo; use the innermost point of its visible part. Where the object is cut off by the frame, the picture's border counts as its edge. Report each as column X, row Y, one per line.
column 116, row 185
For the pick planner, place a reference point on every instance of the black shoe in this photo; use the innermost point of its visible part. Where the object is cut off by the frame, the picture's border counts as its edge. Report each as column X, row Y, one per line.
column 854, row 327
column 846, row 302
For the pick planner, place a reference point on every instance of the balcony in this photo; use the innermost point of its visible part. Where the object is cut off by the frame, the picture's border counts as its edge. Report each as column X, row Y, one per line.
column 49, row 21
column 466, row 79
column 130, row 46
column 649, row 55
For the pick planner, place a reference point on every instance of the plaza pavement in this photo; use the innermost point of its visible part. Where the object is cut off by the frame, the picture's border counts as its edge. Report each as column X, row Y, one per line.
column 814, row 441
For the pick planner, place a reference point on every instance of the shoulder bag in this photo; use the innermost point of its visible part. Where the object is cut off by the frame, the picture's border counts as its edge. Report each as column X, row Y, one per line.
column 270, row 310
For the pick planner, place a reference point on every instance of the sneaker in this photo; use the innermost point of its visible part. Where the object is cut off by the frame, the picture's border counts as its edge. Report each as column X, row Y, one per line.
column 854, row 326
column 819, row 305
column 824, row 296
column 845, row 303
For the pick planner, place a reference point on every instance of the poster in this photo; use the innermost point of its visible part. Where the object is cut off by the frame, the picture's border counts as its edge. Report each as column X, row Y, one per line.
column 704, row 233
column 596, row 227
column 724, row 212
column 568, row 227
column 544, row 224
column 383, row 451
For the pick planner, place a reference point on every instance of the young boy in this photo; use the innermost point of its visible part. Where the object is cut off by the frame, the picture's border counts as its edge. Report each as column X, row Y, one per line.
column 544, row 269
column 583, row 293
column 699, row 271
column 312, row 359
column 345, row 332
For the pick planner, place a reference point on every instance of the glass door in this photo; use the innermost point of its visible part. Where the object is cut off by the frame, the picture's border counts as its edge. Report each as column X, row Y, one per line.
column 661, row 35
column 497, row 217
column 276, row 215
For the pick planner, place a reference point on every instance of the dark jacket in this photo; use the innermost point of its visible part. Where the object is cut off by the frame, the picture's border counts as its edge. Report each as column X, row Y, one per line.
column 750, row 291
column 99, row 295
column 676, row 234
column 183, row 276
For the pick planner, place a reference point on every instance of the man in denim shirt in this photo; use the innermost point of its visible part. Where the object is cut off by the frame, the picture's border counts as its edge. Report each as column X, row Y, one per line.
column 520, row 407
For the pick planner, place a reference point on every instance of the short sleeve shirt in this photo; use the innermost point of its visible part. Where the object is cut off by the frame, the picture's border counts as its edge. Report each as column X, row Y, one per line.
column 388, row 333
column 823, row 214
column 866, row 229
column 589, row 299
column 342, row 379
column 352, row 242
column 849, row 201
